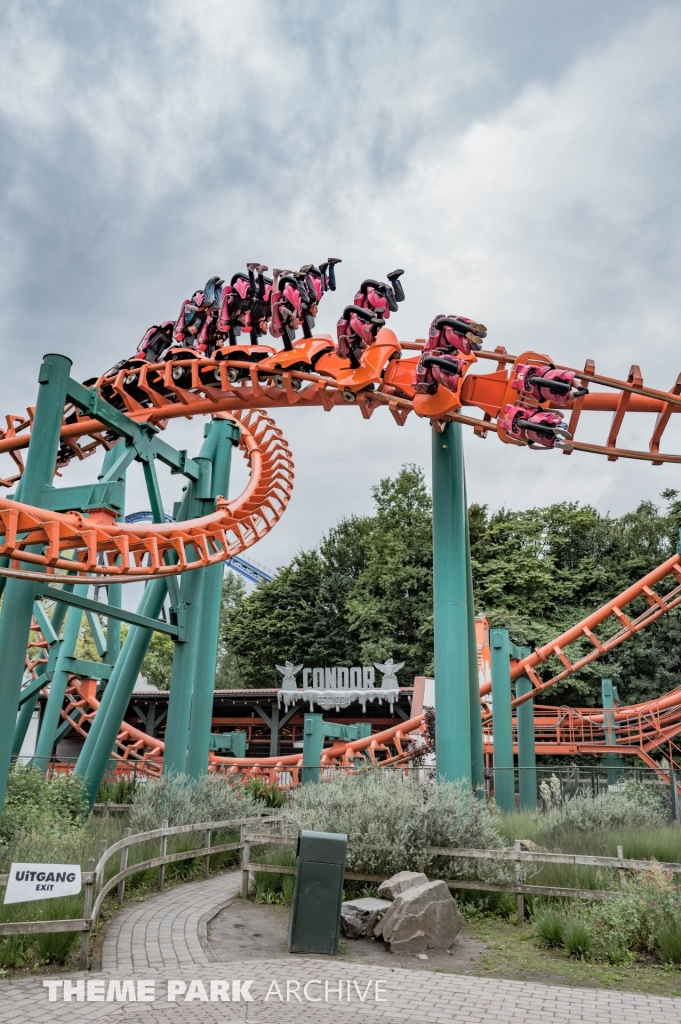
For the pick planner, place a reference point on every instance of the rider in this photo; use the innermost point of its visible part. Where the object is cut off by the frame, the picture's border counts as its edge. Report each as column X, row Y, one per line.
column 360, row 323
column 296, row 296
column 197, row 316
column 447, row 336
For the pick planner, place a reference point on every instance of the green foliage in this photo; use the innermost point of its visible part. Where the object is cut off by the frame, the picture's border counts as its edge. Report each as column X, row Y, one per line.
column 270, row 796
column 119, row 789
column 54, row 947
column 228, row 675
column 669, row 942
column 12, row 950
column 577, row 937
column 157, row 666
column 549, row 925
column 391, row 818
column 185, row 801
column 634, row 807
column 364, row 594
column 33, row 803
column 270, row 887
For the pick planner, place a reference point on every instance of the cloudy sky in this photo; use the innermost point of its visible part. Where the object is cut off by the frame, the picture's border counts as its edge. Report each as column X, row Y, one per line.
column 518, row 158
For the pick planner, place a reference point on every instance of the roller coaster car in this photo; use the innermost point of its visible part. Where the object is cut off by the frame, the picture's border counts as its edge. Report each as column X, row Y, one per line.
column 437, row 382
column 106, row 383
column 304, row 355
column 373, row 362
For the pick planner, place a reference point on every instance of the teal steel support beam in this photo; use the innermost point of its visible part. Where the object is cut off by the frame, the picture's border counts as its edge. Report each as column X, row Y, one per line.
column 224, row 435
column 313, row 744
column 450, row 607
column 477, row 751
column 611, row 761
column 504, row 785
column 60, row 678
column 527, row 760
column 107, row 610
column 51, row 628
column 113, row 469
column 181, row 680
column 17, row 609
column 101, row 738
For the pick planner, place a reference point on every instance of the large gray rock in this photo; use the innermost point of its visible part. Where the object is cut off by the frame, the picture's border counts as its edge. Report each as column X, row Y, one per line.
column 400, row 882
column 358, row 916
column 423, row 917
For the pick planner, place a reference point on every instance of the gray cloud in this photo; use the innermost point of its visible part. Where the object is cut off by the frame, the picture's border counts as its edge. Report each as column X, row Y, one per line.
column 517, row 158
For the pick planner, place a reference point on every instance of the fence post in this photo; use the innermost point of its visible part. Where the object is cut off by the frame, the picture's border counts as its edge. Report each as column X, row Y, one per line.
column 620, row 871
column 674, row 793
column 206, row 842
column 87, row 915
column 245, row 857
column 519, row 881
column 122, row 867
column 162, row 853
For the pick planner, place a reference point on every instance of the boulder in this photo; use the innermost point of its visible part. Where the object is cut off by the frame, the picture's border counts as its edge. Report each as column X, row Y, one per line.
column 358, row 916
column 400, row 882
column 423, row 917
column 529, row 847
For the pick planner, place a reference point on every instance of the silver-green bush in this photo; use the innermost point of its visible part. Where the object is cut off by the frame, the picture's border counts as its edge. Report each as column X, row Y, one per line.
column 633, row 807
column 391, row 818
column 185, row 801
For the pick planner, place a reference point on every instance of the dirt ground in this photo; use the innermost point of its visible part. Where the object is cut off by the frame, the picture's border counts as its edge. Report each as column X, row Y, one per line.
column 486, row 948
column 259, row 930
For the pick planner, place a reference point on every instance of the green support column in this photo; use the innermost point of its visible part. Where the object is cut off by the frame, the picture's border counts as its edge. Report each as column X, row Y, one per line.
column 477, row 752
column 28, row 707
column 313, row 744
column 527, row 761
column 504, row 788
column 611, row 761
column 450, row 608
column 184, row 662
column 100, row 740
column 274, row 730
column 114, row 591
column 52, row 714
column 17, row 609
column 225, row 434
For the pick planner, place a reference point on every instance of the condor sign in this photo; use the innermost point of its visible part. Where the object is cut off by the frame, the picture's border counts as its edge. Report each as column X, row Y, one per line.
column 41, row 882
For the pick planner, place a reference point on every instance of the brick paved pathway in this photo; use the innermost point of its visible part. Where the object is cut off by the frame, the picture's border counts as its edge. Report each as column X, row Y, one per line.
column 163, row 940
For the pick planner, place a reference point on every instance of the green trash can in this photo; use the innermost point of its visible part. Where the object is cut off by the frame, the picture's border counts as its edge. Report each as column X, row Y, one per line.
column 318, row 893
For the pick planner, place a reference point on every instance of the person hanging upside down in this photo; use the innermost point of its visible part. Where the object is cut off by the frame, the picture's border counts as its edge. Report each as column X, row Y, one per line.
column 360, row 323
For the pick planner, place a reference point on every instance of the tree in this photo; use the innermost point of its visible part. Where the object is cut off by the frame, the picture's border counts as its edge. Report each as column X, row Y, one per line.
column 228, row 672
column 157, row 666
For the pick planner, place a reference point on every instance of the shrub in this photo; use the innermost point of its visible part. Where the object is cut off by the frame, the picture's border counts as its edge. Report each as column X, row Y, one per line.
column 12, row 950
column 185, row 801
column 54, row 947
column 119, row 790
column 669, row 942
column 270, row 796
column 605, row 812
column 577, row 937
column 270, row 887
column 35, row 804
column 635, row 919
column 391, row 818
column 550, row 926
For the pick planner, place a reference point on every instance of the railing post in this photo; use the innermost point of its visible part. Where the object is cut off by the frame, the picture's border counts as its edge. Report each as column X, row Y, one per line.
column 206, row 842
column 163, row 846
column 621, row 872
column 87, row 914
column 519, row 881
column 102, row 850
column 123, row 865
column 674, row 793
column 245, row 857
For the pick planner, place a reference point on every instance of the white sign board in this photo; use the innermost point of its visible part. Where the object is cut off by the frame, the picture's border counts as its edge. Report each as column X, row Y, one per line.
column 42, row 882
